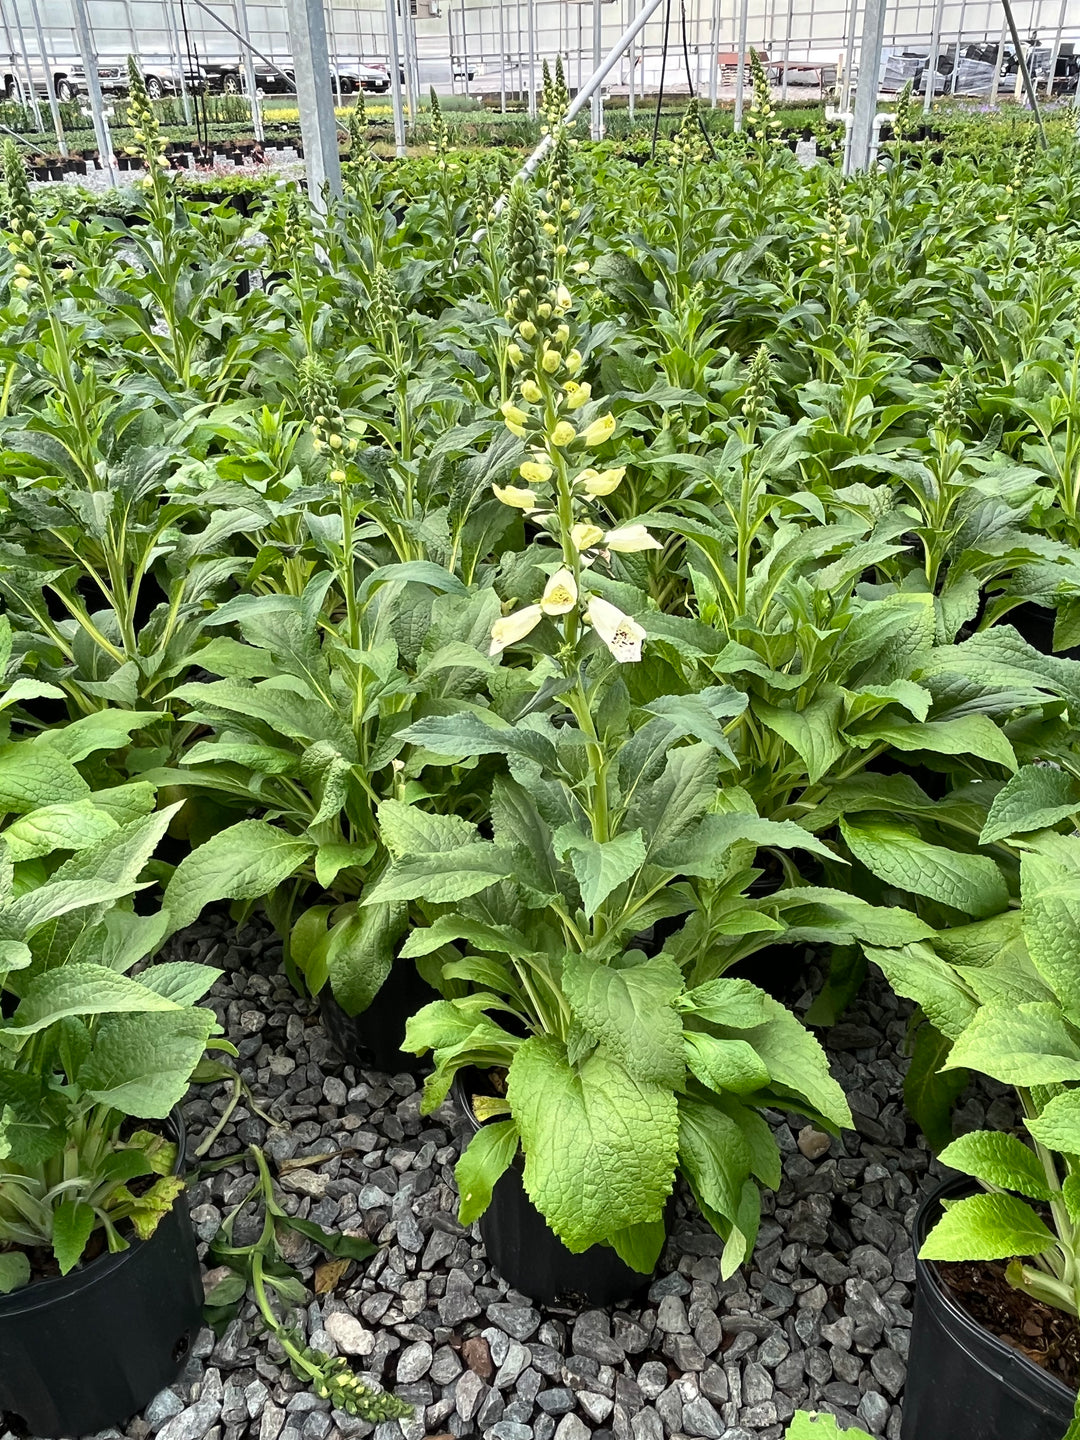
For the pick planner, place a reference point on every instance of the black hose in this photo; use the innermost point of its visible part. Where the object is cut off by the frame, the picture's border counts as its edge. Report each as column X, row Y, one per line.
column 689, row 79
column 663, row 72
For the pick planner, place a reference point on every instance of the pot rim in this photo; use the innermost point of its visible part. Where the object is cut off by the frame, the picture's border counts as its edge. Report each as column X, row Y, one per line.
column 958, row 1185
column 57, row 1289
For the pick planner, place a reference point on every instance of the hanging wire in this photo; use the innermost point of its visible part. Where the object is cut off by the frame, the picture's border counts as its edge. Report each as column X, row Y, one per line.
column 663, row 71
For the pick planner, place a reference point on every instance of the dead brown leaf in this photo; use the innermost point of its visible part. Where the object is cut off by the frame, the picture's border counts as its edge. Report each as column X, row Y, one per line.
column 328, row 1275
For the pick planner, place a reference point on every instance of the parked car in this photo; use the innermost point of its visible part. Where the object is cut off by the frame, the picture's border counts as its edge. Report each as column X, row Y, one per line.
column 66, row 76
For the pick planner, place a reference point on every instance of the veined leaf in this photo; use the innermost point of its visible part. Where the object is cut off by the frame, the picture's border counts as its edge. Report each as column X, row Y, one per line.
column 488, row 1154
column 915, row 972
column 1026, row 1045
column 444, row 876
column 721, row 1065
column 975, row 735
column 358, row 953
column 1000, row 1160
column 601, row 866
column 987, row 1227
column 142, row 1064
column 80, row 989
column 813, row 733
column 73, row 1221
column 630, row 1011
column 35, row 773
column 1035, row 798
column 902, row 858
column 409, row 830
column 600, row 1143
column 244, row 862
column 1050, row 919
column 1057, row 1125
column 472, row 733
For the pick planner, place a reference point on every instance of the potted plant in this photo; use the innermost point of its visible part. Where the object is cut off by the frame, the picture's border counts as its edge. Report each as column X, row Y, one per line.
column 100, row 1292
column 998, row 1267
column 610, row 1064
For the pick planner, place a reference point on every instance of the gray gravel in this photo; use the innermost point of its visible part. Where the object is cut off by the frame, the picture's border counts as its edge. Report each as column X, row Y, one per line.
column 820, row 1318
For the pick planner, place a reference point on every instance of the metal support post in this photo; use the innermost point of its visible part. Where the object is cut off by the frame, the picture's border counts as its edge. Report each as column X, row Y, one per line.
column 31, row 93
column 311, row 59
column 530, row 12
column 959, row 46
column 597, row 125
column 714, row 53
column 849, row 57
column 930, row 73
column 1025, row 73
column 93, row 85
column 45, row 58
column 502, row 56
column 395, row 76
column 411, row 97
column 179, row 57
column 465, row 45
column 740, row 63
column 787, row 49
column 866, row 92
column 240, row 10
column 408, row 23
column 1055, row 49
column 998, row 64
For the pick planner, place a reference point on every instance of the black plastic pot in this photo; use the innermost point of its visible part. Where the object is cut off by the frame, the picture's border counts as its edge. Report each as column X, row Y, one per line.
column 531, row 1257
column 963, row 1381
column 87, row 1350
column 373, row 1038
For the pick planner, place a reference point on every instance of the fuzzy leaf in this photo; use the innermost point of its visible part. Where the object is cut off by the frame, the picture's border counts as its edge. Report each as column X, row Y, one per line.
column 244, row 862
column 1035, row 798
column 900, row 857
column 1057, row 1125
column 1000, row 1160
column 629, row 1010
column 987, row 1227
column 488, row 1154
column 1019, row 1045
column 601, row 866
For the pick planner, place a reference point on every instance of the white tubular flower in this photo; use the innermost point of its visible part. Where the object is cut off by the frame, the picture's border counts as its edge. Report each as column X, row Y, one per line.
column 560, row 593
column 536, row 472
column 602, row 482
column 516, row 497
column 509, row 629
column 600, row 430
column 621, row 634
column 584, row 535
column 629, row 539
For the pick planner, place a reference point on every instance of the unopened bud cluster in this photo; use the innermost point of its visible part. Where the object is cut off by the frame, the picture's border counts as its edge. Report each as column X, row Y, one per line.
column 950, row 414
column 326, row 421
column 833, row 243
column 555, row 100
column 762, row 123
column 27, row 236
column 758, row 393
column 336, row 1382
column 440, row 135
column 689, row 146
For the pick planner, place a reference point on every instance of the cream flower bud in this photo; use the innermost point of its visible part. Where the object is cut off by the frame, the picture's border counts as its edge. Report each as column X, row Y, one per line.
column 514, row 353
column 576, row 395
column 621, row 634
column 511, row 413
column 563, row 434
column 527, row 330
column 551, row 361
column 549, row 228
column 509, row 629
column 585, row 536
column 516, row 497
column 573, row 361
column 600, row 430
column 629, row 539
column 20, row 282
column 581, row 267
column 560, row 593
column 23, row 270
column 536, row 472
column 563, row 298
column 337, row 477
column 531, row 392
column 562, row 334
column 602, row 483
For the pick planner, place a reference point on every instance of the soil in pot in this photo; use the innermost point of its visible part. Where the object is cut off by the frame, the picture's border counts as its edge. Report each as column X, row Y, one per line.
column 373, row 1038
column 1045, row 1335
column 963, row 1380
column 87, row 1350
column 528, row 1254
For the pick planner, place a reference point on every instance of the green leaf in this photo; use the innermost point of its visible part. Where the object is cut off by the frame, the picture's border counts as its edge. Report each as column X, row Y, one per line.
column 1019, row 1045
column 601, row 866
column 359, row 952
column 487, row 1156
column 35, row 773
column 639, row 1246
column 1057, row 1125
column 713, row 1156
column 987, row 1227
column 444, row 876
column 103, row 730
column 724, row 1064
column 334, row 1242
column 915, row 972
column 73, row 1222
column 808, row 1425
column 244, row 862
column 335, row 856
column 929, row 1092
column 80, row 989
column 974, row 735
column 185, row 982
column 1050, row 920
column 600, row 1143
column 701, row 851
column 71, row 826
column 813, row 733
column 1000, row 1160
column 738, row 1004
column 14, row 1271
column 142, row 1064
column 665, row 790
column 629, row 1010
column 1035, row 798
column 797, row 1063
column 899, row 856
column 409, row 830
column 479, row 733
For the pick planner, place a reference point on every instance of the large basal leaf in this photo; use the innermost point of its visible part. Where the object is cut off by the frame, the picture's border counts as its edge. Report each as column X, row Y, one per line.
column 630, row 1011
column 999, row 1160
column 359, row 953
column 488, row 1154
column 1035, row 798
column 244, row 862
column 444, row 876
column 987, row 1227
column 33, row 774
column 1050, row 919
column 471, row 733
column 702, row 851
column 1025, row 1045
column 409, row 830
column 80, row 989
column 74, row 825
column 602, row 865
column 600, row 1144
column 915, row 972
column 903, row 859
column 141, row 1064
column 1058, row 1124
column 974, row 735
column 103, row 730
